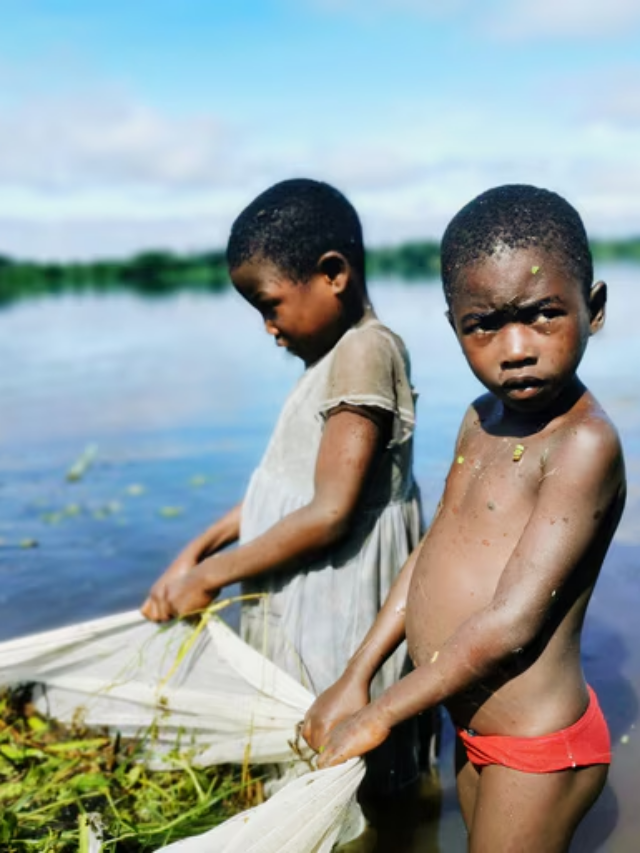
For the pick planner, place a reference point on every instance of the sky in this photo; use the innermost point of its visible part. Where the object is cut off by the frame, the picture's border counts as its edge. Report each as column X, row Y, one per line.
column 127, row 126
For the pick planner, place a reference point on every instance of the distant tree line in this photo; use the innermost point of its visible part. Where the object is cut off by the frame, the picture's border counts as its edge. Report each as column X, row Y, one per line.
column 159, row 272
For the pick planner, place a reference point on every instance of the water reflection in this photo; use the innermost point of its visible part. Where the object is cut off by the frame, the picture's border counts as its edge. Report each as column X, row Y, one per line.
column 180, row 395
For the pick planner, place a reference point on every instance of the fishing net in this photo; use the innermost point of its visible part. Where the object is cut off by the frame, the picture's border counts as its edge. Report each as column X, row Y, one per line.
column 194, row 693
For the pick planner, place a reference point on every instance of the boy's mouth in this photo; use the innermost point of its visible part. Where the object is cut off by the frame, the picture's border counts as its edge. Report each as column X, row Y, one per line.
column 523, row 386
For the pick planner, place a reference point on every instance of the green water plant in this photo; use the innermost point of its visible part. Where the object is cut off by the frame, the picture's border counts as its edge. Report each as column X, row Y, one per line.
column 57, row 781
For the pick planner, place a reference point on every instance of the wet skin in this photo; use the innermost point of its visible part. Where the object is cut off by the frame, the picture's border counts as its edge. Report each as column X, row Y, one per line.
column 492, row 603
column 510, row 537
column 496, row 596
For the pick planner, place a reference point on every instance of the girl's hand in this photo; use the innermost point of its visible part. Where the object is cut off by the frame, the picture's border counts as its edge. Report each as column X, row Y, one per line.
column 189, row 594
column 355, row 736
column 340, row 701
column 156, row 607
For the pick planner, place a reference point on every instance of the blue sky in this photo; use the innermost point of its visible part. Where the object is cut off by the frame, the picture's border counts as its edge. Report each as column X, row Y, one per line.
column 128, row 125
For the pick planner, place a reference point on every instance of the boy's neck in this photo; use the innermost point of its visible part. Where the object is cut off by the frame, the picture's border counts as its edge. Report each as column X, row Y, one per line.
column 523, row 423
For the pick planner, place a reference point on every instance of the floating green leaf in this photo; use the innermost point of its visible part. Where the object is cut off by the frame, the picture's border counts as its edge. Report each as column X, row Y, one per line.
column 198, row 480
column 135, row 489
column 82, row 463
column 171, row 511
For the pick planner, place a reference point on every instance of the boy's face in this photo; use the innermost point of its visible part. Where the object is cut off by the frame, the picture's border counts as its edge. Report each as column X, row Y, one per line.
column 302, row 316
column 523, row 323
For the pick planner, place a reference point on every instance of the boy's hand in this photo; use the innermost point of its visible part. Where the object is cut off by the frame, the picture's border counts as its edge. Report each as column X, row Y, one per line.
column 353, row 737
column 340, row 701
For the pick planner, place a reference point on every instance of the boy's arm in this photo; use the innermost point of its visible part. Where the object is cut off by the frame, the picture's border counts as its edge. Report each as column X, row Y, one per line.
column 582, row 492
column 223, row 532
column 350, row 447
column 350, row 692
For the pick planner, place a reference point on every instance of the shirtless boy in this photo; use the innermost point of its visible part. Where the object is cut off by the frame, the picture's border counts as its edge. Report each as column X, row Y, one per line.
column 493, row 601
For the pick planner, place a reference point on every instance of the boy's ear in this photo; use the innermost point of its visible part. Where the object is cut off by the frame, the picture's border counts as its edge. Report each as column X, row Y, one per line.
column 337, row 270
column 597, row 303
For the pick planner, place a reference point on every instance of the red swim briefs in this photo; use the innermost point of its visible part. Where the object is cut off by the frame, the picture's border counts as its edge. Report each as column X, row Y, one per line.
column 584, row 743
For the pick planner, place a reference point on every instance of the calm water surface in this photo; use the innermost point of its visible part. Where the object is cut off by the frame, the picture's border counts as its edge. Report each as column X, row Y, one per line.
column 178, row 397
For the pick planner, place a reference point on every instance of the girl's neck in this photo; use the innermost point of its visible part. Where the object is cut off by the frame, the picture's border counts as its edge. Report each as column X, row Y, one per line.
column 355, row 314
column 357, row 308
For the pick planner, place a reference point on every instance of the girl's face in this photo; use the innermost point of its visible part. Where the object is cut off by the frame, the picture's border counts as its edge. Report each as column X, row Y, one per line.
column 523, row 323
column 304, row 317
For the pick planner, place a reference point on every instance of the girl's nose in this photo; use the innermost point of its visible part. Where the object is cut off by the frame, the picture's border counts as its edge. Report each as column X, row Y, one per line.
column 518, row 347
column 269, row 326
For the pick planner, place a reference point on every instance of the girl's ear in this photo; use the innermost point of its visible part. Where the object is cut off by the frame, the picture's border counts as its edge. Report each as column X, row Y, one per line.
column 450, row 319
column 597, row 303
column 336, row 269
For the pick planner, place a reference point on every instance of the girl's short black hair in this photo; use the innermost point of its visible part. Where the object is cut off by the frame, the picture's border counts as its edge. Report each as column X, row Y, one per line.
column 516, row 216
column 292, row 224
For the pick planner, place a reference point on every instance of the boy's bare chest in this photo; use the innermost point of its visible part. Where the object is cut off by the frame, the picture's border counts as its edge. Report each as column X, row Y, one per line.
column 496, row 475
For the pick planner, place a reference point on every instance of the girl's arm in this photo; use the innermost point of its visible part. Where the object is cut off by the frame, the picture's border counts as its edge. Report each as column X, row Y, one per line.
column 349, row 451
column 223, row 532
column 587, row 493
column 350, row 692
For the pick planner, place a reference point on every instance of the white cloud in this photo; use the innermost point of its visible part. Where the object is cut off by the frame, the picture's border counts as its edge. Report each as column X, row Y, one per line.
column 70, row 144
column 520, row 19
column 79, row 238
column 113, row 176
column 527, row 19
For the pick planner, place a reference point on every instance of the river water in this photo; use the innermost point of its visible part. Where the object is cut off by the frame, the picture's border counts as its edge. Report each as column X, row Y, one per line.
column 175, row 397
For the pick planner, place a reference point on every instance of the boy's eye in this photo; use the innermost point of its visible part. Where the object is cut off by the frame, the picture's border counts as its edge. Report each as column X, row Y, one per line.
column 544, row 315
column 482, row 325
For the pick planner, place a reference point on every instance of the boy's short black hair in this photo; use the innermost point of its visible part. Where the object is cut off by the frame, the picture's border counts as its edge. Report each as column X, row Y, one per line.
column 516, row 216
column 292, row 224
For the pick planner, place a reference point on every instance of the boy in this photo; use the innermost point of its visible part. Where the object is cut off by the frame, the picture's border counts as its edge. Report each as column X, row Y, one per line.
column 496, row 595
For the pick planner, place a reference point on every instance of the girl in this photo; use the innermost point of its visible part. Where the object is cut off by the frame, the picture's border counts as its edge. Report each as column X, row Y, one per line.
column 333, row 511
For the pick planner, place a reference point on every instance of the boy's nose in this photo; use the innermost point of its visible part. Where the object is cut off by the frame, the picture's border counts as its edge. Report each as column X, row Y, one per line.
column 271, row 329
column 518, row 347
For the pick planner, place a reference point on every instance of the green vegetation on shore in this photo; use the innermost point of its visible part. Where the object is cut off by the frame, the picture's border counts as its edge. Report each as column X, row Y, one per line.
column 158, row 272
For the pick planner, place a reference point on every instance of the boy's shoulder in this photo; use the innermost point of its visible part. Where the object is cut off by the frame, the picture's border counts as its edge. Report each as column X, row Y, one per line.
column 582, row 440
column 585, row 424
column 586, row 439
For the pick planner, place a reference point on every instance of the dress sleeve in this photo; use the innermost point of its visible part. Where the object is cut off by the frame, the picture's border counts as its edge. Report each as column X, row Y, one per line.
column 370, row 368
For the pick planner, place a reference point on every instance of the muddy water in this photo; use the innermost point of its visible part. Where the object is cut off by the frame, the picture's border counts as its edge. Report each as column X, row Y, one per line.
column 178, row 397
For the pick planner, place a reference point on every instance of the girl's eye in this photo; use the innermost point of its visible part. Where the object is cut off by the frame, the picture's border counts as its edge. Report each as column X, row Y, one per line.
column 268, row 309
